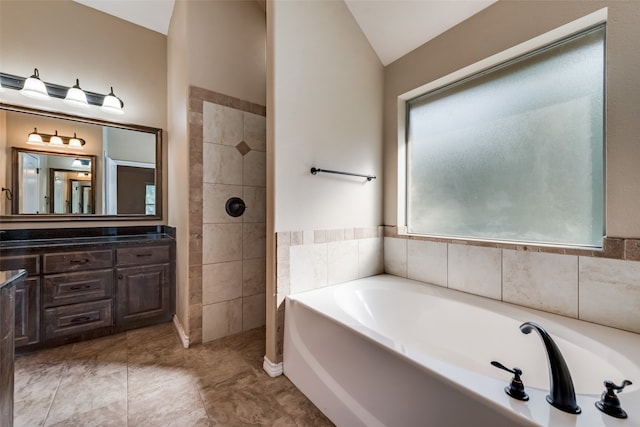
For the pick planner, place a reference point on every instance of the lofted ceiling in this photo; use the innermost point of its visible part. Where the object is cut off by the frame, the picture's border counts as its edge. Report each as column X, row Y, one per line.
column 393, row 27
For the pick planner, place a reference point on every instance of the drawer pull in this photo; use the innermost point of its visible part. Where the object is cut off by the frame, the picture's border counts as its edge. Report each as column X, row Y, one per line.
column 144, row 255
column 80, row 319
column 80, row 261
column 78, row 288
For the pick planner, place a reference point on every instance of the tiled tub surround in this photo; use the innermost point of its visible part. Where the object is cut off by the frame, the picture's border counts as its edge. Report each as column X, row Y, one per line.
column 587, row 287
column 313, row 259
column 227, row 267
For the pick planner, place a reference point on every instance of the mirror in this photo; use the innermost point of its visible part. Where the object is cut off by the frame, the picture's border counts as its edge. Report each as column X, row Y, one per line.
column 52, row 183
column 116, row 171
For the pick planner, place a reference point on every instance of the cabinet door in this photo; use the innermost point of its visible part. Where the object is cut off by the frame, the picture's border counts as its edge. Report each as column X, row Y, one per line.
column 142, row 295
column 27, row 312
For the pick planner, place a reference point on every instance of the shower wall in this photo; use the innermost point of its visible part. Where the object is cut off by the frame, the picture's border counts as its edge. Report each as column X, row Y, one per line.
column 227, row 256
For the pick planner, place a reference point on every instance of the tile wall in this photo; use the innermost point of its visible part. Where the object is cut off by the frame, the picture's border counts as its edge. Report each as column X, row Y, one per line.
column 313, row 259
column 227, row 254
column 594, row 289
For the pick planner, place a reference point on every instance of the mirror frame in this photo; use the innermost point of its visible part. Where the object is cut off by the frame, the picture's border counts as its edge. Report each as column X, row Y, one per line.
column 86, row 217
column 15, row 180
column 91, row 217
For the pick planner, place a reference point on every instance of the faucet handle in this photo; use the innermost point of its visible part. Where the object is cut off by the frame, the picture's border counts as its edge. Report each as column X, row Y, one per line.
column 516, row 388
column 609, row 402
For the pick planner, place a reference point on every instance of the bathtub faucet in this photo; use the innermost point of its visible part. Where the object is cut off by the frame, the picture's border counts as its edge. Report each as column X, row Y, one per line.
column 561, row 395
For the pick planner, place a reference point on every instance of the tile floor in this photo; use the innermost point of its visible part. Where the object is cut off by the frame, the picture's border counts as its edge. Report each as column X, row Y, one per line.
column 145, row 378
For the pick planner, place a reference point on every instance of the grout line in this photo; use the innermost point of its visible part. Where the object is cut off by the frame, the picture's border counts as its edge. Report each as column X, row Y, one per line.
column 55, row 393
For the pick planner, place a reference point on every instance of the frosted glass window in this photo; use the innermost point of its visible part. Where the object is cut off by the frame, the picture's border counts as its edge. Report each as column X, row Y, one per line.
column 515, row 153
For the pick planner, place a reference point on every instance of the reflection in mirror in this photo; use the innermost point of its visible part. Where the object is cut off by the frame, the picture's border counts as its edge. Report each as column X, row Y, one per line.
column 116, row 172
column 52, row 183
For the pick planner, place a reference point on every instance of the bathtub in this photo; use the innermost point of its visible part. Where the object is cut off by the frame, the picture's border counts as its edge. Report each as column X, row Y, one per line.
column 388, row 351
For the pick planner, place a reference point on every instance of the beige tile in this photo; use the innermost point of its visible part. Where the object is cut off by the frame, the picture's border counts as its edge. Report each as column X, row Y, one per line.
column 342, row 261
column 547, row 282
column 162, row 383
column 254, row 276
column 255, row 131
column 221, row 282
column 255, row 172
column 245, row 402
column 254, row 240
column 221, row 243
column 283, row 239
column 253, row 311
column 214, row 202
column 221, row 165
column 104, row 396
column 370, row 257
column 427, row 262
column 610, row 292
column 32, row 411
column 395, row 256
column 476, row 270
column 308, row 267
column 255, row 198
column 221, row 319
column 172, row 404
column 221, row 125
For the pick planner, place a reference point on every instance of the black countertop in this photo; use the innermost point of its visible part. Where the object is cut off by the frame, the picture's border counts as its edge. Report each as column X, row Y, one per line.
column 9, row 278
column 24, row 239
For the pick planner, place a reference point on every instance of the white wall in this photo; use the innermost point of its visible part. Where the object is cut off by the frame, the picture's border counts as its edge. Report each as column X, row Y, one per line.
column 66, row 40
column 327, row 91
column 504, row 25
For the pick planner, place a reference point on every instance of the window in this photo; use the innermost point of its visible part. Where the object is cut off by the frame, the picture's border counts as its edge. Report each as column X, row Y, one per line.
column 514, row 153
column 150, row 199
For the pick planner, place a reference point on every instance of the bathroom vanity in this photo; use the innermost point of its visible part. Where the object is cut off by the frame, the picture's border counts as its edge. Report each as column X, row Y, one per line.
column 83, row 283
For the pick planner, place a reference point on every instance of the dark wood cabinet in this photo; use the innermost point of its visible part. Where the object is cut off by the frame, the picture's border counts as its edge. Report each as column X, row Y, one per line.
column 27, row 298
column 142, row 294
column 79, row 291
column 143, row 285
column 27, row 314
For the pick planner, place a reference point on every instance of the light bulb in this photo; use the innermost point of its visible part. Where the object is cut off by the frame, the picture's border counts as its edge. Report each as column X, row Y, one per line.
column 34, row 87
column 112, row 104
column 75, row 142
column 35, row 138
column 76, row 96
column 56, row 140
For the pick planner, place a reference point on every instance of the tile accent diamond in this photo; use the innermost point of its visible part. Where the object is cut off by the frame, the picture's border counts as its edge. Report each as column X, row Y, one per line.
column 243, row 148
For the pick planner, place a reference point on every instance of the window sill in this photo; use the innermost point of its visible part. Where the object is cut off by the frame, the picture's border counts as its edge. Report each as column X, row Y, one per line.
column 614, row 248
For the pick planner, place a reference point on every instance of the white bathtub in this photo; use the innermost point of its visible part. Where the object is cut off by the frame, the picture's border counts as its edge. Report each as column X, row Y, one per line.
column 387, row 351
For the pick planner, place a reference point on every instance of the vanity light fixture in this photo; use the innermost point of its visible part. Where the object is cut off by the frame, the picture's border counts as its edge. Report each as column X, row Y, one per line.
column 55, row 140
column 33, row 87
column 76, row 96
column 35, row 138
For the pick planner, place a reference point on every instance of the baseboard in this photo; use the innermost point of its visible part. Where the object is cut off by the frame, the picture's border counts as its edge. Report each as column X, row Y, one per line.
column 184, row 338
column 272, row 369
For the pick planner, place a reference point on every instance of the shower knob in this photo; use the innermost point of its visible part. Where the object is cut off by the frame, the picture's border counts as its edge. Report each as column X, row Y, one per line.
column 235, row 206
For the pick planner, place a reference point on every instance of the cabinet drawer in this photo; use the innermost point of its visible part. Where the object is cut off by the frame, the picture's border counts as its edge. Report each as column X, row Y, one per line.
column 74, row 261
column 76, row 318
column 70, row 288
column 31, row 263
column 142, row 255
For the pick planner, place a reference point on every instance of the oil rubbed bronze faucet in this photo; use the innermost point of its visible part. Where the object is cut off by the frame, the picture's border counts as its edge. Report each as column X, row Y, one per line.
column 561, row 395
